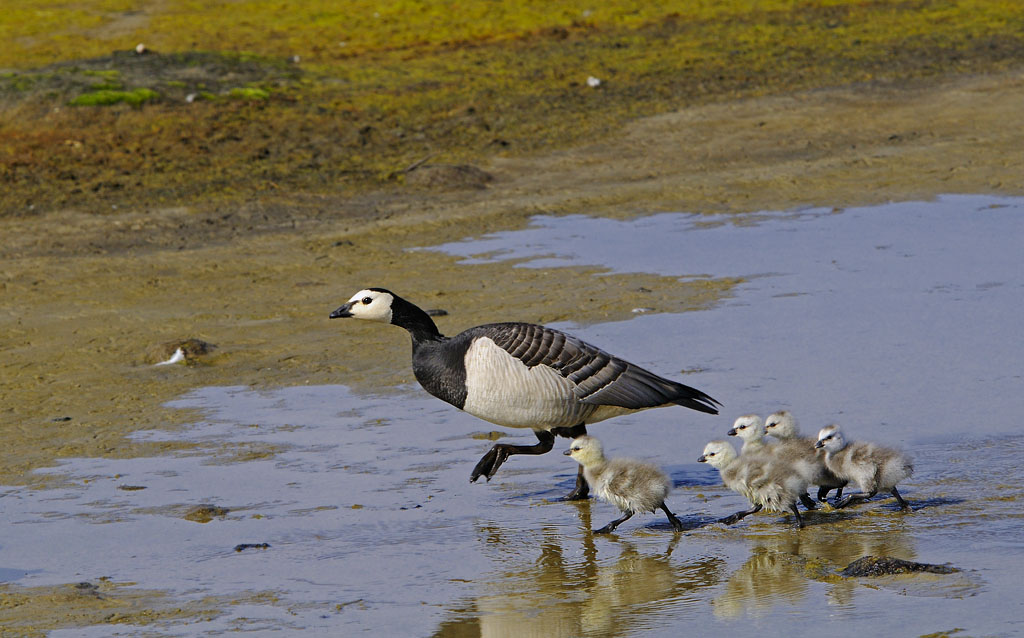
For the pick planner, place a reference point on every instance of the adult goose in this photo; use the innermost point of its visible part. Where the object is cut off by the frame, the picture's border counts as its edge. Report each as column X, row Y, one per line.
column 523, row 375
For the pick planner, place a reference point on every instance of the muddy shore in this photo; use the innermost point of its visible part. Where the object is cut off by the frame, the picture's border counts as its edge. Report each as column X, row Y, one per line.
column 86, row 298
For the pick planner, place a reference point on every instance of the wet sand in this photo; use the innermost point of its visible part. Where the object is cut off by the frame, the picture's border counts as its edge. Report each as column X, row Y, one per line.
column 85, row 299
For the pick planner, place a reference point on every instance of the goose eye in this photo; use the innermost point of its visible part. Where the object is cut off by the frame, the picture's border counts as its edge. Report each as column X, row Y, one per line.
column 367, row 300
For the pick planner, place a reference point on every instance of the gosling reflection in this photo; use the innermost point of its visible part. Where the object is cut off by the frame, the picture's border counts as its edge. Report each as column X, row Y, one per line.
column 577, row 586
column 783, row 568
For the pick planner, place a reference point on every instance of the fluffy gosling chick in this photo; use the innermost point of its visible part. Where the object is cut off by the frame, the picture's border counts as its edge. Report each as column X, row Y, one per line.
column 632, row 486
column 765, row 481
column 782, row 426
column 751, row 430
column 872, row 467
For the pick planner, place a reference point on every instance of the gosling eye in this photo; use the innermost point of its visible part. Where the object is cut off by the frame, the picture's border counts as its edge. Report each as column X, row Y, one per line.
column 742, row 427
column 710, row 454
column 367, row 300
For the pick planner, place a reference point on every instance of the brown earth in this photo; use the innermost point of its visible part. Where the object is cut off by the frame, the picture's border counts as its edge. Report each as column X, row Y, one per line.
column 86, row 297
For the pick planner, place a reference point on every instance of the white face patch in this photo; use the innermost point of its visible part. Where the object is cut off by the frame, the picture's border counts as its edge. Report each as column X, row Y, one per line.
column 372, row 305
column 830, row 438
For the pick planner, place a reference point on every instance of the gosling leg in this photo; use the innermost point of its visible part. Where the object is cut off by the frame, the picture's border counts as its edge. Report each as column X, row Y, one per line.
column 676, row 523
column 796, row 512
column 854, row 499
column 808, row 502
column 903, row 504
column 738, row 516
column 498, row 454
column 610, row 527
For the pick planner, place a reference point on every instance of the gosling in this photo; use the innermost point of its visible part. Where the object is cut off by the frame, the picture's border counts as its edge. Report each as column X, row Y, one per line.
column 751, row 430
column 765, row 481
column 782, row 426
column 872, row 467
column 632, row 486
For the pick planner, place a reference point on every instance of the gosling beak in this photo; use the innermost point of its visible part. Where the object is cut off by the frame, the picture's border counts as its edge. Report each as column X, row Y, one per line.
column 702, row 459
column 567, row 453
column 342, row 311
column 732, row 432
column 819, row 444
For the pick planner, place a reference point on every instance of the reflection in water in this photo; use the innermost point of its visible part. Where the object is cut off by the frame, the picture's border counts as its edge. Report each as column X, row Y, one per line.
column 575, row 587
column 782, row 568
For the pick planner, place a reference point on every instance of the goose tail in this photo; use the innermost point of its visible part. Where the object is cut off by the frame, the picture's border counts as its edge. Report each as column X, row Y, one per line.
column 695, row 399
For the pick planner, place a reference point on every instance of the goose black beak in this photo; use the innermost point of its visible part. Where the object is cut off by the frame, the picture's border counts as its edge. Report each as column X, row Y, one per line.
column 819, row 444
column 567, row 452
column 732, row 432
column 342, row 311
column 702, row 459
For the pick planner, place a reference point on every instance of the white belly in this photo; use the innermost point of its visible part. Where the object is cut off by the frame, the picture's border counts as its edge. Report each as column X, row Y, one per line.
column 502, row 390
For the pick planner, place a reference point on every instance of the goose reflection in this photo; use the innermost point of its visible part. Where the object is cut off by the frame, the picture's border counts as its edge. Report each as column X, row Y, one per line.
column 571, row 585
column 783, row 568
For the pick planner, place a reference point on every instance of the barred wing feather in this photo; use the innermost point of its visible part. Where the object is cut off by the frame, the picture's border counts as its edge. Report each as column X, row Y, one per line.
column 598, row 378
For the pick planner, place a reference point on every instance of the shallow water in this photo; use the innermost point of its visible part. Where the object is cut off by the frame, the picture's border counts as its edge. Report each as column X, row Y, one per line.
column 899, row 322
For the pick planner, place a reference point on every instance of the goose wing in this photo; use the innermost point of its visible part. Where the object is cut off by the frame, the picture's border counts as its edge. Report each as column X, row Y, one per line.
column 598, row 378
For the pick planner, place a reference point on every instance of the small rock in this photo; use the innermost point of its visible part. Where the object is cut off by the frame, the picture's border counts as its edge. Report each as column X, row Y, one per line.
column 885, row 566
column 191, row 349
column 205, row 513
column 448, row 176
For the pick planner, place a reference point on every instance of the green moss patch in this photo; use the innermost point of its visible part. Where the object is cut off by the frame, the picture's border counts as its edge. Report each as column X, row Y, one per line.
column 108, row 97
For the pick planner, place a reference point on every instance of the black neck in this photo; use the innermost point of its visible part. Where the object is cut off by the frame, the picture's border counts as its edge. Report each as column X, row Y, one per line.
column 412, row 318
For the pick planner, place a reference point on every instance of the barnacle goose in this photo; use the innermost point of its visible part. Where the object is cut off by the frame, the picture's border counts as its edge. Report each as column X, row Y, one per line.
column 782, row 425
column 632, row 486
column 523, row 375
column 765, row 481
column 750, row 429
column 872, row 467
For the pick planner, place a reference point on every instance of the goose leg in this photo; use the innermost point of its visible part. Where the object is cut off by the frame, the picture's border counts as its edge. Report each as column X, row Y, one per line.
column 853, row 499
column 676, row 523
column 610, row 527
column 903, row 504
column 823, row 493
column 733, row 518
column 498, row 454
column 581, row 491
